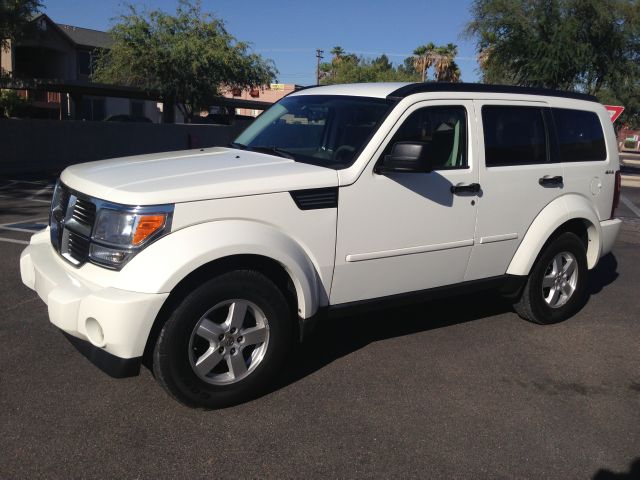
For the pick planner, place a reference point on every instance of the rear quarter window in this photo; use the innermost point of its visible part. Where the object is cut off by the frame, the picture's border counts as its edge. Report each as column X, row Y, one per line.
column 580, row 135
column 514, row 135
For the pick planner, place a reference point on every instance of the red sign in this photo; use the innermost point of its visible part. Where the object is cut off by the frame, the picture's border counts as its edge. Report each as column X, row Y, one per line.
column 614, row 111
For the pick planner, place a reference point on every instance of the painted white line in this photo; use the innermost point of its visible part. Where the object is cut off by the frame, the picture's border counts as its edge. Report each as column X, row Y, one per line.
column 630, row 205
column 48, row 202
column 24, row 230
column 26, row 220
column 40, row 192
column 13, row 240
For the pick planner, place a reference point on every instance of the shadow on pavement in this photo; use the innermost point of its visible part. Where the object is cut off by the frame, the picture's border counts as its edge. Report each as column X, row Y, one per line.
column 605, row 273
column 337, row 337
column 632, row 474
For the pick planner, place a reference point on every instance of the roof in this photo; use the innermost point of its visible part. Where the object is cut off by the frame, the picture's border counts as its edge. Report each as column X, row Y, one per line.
column 86, row 37
column 401, row 90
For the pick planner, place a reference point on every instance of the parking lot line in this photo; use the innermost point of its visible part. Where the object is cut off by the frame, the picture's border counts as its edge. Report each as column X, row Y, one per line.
column 629, row 204
column 48, row 202
column 13, row 240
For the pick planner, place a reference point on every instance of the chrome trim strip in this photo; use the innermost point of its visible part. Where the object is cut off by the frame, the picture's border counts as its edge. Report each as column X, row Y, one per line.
column 359, row 257
column 498, row 238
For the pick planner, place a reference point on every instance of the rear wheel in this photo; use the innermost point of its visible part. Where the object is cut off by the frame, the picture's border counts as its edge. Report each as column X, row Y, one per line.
column 556, row 286
column 224, row 341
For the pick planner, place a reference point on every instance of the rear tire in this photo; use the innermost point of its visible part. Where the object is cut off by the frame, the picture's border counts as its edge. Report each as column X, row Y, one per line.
column 556, row 287
column 224, row 342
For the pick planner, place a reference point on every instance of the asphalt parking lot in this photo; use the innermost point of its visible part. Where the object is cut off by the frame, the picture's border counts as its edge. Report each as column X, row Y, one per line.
column 451, row 389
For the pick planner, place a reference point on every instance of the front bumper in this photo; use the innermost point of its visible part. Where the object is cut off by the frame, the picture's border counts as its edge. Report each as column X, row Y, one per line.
column 609, row 231
column 109, row 326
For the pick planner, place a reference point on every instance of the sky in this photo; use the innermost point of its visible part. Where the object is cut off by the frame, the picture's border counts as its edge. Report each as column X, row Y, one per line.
column 289, row 32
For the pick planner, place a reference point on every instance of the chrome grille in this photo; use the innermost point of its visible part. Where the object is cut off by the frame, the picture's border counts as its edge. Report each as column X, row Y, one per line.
column 84, row 212
column 72, row 219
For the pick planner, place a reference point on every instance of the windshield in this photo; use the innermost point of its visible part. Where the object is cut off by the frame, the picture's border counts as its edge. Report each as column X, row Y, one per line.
column 326, row 130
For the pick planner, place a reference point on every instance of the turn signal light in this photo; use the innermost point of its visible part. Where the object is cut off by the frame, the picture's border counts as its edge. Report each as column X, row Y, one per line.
column 147, row 225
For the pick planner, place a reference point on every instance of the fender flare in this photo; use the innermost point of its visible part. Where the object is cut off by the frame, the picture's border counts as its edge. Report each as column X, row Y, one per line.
column 553, row 216
column 163, row 264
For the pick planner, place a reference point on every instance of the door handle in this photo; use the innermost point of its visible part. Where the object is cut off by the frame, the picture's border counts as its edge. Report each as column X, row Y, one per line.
column 465, row 188
column 549, row 180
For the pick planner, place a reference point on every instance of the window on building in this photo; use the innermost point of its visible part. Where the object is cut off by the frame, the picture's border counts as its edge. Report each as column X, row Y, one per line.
column 580, row 135
column 514, row 135
column 84, row 62
column 443, row 129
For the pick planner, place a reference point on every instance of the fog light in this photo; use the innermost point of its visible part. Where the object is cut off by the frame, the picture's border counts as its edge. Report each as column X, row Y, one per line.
column 94, row 332
column 106, row 255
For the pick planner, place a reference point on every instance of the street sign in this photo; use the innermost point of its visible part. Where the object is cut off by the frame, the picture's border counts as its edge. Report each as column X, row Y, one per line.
column 614, row 111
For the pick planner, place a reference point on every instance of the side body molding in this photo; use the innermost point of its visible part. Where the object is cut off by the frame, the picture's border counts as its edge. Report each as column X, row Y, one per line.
column 556, row 213
column 163, row 264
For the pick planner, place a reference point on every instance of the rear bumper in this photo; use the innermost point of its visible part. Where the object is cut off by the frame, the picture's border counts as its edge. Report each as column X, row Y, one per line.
column 609, row 231
column 109, row 326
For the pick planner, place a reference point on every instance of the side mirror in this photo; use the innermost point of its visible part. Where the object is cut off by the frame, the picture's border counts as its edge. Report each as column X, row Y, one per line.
column 406, row 157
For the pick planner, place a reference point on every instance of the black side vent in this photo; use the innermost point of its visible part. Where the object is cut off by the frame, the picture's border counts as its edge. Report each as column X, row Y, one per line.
column 316, row 198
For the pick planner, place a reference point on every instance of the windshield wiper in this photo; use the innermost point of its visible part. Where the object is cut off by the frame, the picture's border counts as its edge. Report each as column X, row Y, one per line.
column 272, row 149
column 239, row 146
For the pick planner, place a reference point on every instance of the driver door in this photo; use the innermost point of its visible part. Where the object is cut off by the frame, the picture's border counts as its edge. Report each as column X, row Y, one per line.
column 404, row 232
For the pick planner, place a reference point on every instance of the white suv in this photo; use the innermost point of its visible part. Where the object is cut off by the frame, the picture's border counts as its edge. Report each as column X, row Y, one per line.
column 208, row 264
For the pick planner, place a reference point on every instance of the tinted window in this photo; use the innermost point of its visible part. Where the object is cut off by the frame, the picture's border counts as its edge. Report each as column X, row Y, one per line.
column 443, row 129
column 580, row 135
column 514, row 135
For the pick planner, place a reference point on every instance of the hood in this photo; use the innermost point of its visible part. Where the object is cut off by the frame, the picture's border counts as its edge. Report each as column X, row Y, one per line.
column 193, row 175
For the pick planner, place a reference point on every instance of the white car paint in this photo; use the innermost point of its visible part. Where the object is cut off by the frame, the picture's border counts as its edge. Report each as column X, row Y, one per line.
column 390, row 234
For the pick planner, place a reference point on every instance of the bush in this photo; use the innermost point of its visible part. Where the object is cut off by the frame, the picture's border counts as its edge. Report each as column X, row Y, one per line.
column 12, row 104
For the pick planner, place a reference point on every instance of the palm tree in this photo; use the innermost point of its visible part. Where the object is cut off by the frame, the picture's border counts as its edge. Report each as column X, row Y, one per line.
column 337, row 52
column 446, row 69
column 423, row 59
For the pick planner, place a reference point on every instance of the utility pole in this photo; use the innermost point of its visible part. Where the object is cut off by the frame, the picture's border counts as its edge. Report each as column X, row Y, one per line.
column 318, row 57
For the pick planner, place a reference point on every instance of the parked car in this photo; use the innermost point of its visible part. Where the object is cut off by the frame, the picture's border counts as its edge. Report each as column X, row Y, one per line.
column 209, row 263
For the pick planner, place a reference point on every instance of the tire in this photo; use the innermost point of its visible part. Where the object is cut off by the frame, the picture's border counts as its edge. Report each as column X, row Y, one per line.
column 202, row 362
column 564, row 289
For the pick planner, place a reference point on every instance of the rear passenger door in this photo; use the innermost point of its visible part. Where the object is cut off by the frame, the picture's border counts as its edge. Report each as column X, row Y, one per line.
column 519, row 174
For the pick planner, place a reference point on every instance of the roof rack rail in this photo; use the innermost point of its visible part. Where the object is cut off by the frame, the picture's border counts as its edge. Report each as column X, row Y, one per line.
column 481, row 87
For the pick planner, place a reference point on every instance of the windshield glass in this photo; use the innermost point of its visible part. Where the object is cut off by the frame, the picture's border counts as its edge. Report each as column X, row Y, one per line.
column 326, row 130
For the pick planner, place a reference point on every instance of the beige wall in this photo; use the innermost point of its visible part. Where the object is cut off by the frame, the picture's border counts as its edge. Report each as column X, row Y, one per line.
column 6, row 58
column 272, row 94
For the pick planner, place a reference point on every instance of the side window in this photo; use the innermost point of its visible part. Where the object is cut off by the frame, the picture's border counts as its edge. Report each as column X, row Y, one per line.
column 443, row 129
column 514, row 135
column 580, row 135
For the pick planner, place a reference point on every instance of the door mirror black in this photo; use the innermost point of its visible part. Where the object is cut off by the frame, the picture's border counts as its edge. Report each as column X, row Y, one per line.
column 406, row 157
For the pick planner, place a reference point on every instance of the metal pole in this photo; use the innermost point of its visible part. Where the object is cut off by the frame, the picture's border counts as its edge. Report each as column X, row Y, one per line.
column 318, row 57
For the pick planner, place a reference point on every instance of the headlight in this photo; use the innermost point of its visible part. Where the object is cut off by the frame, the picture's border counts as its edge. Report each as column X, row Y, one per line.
column 121, row 232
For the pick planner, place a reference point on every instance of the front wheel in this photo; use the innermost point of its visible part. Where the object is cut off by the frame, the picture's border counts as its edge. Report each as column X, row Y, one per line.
column 224, row 342
column 556, row 286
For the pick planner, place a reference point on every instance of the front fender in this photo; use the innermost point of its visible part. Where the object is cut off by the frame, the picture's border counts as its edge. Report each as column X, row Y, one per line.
column 556, row 213
column 163, row 264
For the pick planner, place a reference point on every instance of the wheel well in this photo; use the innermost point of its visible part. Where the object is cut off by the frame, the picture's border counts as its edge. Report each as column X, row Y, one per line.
column 580, row 227
column 267, row 266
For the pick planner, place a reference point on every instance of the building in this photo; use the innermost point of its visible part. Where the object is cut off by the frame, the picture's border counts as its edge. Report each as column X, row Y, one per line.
column 64, row 53
column 272, row 94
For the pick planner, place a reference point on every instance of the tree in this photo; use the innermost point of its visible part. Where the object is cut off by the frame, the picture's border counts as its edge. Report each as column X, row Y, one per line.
column 12, row 104
column 14, row 16
column 423, row 59
column 187, row 57
column 440, row 58
column 350, row 68
column 566, row 44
